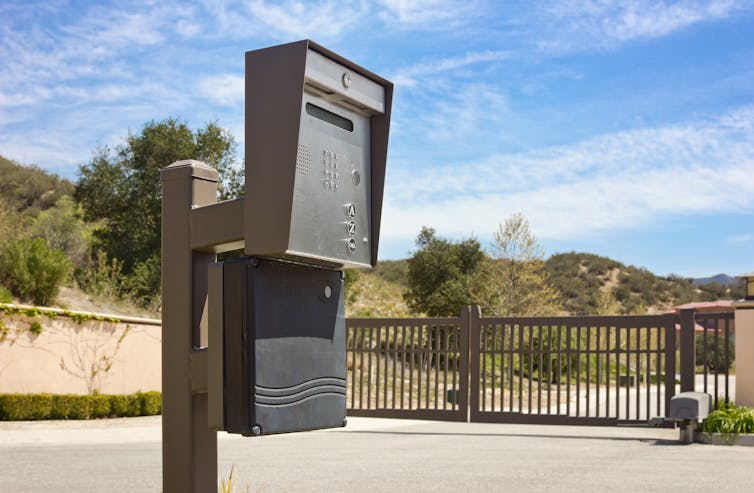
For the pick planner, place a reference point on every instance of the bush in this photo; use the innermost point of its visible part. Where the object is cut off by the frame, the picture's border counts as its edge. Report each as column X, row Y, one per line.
column 730, row 419
column 29, row 407
column 5, row 295
column 31, row 270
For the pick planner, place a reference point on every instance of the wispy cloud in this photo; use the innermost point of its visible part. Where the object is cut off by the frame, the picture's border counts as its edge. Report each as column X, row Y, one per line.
column 622, row 180
column 578, row 24
column 408, row 76
column 224, row 89
column 423, row 12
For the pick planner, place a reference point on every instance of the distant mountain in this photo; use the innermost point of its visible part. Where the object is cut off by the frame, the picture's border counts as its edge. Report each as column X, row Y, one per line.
column 722, row 279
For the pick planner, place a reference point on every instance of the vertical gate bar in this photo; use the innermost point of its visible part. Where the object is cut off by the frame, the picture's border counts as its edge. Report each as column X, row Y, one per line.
column 599, row 369
column 549, row 368
column 493, row 365
column 530, row 349
column 628, row 372
column 446, row 352
column 511, row 365
column 578, row 371
column 436, row 373
column 387, row 365
column 617, row 371
column 369, row 367
column 503, row 366
column 637, row 379
column 539, row 370
column 378, row 358
column 608, row 331
column 647, row 371
column 420, row 349
column 716, row 371
column 658, row 365
column 588, row 367
column 411, row 365
column 521, row 372
column 361, row 369
column 354, row 332
column 403, row 365
column 483, row 363
column 428, row 369
column 560, row 364
column 394, row 378
column 456, row 336
column 569, row 360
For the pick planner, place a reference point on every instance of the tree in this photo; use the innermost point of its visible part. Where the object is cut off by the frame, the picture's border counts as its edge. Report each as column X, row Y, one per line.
column 63, row 229
column 123, row 190
column 443, row 275
column 31, row 270
column 517, row 283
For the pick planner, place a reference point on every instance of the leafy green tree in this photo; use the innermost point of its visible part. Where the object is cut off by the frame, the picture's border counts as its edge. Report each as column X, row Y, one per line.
column 516, row 280
column 122, row 189
column 443, row 275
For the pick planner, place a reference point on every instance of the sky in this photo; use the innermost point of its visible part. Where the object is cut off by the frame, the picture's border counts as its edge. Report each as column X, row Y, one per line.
column 621, row 128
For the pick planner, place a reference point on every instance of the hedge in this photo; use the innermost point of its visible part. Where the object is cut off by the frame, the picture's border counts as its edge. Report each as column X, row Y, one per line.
column 30, row 407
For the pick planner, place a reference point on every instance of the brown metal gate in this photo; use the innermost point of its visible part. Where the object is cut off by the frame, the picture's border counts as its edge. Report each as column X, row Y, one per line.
column 605, row 370
column 572, row 370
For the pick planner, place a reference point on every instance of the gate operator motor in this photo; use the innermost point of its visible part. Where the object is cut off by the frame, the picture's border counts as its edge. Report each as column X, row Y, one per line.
column 316, row 145
column 279, row 361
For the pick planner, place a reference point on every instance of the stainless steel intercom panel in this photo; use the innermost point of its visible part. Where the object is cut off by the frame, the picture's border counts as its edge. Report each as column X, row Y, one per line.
column 316, row 140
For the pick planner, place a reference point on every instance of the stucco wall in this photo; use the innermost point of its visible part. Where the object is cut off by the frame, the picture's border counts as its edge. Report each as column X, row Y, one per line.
column 68, row 357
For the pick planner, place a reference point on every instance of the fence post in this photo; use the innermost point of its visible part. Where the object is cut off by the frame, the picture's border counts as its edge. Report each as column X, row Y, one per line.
column 470, row 324
column 688, row 350
column 189, row 446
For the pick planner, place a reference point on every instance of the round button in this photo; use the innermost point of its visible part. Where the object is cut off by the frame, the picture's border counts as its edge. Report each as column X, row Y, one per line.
column 355, row 178
column 346, row 79
column 351, row 245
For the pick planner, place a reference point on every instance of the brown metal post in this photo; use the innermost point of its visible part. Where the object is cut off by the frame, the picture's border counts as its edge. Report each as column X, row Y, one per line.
column 470, row 368
column 189, row 446
column 688, row 356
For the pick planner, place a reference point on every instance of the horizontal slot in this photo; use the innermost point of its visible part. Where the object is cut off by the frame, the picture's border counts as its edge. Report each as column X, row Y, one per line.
column 329, row 117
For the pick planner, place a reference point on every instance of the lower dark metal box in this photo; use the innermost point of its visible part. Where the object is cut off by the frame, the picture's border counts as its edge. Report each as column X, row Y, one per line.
column 284, row 350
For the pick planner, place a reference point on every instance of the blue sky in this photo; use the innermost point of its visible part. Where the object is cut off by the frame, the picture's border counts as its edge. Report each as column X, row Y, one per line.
column 622, row 128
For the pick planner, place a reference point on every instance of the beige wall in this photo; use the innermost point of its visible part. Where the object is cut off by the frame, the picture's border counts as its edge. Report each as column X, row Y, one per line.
column 126, row 356
column 745, row 353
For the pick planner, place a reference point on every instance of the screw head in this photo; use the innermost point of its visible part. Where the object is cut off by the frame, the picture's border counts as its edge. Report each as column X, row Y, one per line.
column 346, row 79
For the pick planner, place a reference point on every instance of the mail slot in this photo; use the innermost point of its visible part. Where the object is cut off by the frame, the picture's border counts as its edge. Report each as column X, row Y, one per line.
column 316, row 138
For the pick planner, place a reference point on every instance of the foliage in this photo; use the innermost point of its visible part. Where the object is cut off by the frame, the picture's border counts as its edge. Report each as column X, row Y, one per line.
column 31, row 270
column 63, row 228
column 35, row 311
column 5, row 295
column 123, row 190
column 101, row 275
column 516, row 280
column 394, row 271
column 730, row 419
column 351, row 286
column 13, row 224
column 27, row 407
column 28, row 189
column 715, row 357
column 443, row 275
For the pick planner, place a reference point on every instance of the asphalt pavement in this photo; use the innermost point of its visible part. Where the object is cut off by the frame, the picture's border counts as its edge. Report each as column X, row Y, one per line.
column 124, row 455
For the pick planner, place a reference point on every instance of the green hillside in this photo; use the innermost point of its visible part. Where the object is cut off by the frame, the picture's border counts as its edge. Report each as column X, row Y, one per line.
column 30, row 189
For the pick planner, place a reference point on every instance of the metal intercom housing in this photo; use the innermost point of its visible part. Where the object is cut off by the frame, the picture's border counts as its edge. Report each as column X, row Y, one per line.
column 278, row 350
column 316, row 145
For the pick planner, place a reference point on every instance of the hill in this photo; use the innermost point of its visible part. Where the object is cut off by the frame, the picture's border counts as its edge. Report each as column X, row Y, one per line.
column 30, row 189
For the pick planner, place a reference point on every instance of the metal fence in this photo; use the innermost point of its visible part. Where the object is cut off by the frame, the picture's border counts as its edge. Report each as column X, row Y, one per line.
column 605, row 370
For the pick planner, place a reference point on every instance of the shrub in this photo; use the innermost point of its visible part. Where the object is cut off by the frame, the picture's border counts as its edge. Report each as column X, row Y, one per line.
column 5, row 295
column 27, row 407
column 730, row 419
column 31, row 270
